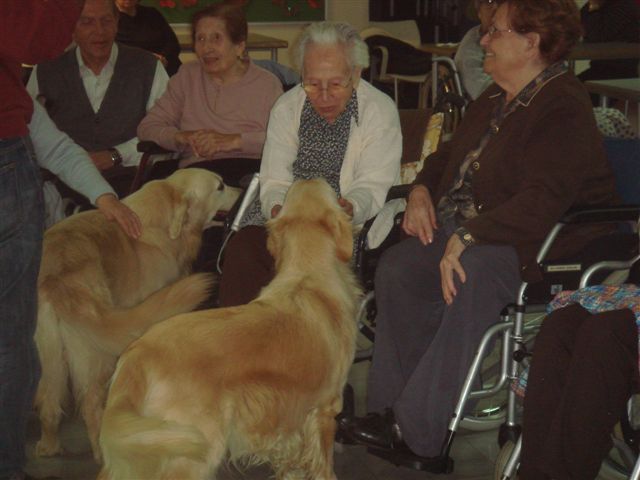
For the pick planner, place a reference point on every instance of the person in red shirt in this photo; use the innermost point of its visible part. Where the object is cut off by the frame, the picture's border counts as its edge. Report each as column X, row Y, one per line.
column 31, row 31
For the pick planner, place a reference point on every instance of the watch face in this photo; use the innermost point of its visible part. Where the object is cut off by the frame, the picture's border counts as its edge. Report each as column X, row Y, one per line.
column 116, row 158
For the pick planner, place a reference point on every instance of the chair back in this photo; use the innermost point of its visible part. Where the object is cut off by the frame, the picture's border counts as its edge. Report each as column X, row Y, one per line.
column 624, row 158
column 405, row 30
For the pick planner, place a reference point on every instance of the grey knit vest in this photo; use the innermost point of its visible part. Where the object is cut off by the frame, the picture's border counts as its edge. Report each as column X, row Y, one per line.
column 123, row 107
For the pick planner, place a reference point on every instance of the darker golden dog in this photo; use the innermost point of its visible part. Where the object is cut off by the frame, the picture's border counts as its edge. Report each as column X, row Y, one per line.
column 98, row 290
column 263, row 381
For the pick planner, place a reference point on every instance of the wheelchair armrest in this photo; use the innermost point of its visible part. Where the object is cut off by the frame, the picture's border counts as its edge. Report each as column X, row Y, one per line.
column 618, row 213
column 585, row 215
column 398, row 191
column 151, row 148
column 147, row 148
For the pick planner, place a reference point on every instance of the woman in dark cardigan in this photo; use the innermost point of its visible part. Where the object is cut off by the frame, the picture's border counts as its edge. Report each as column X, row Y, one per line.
column 526, row 151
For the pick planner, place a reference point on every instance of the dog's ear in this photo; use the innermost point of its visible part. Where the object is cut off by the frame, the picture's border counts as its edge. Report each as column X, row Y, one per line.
column 178, row 218
column 343, row 234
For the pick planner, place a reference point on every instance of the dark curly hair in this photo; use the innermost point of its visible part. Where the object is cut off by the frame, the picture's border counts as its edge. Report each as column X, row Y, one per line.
column 556, row 21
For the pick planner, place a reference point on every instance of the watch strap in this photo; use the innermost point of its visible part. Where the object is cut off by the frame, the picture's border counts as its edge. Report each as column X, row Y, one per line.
column 116, row 158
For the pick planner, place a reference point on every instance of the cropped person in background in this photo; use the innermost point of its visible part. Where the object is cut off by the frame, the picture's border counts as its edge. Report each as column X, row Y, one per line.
column 583, row 372
column 215, row 110
column 31, row 31
column 334, row 126
column 469, row 56
column 98, row 92
column 611, row 21
column 146, row 28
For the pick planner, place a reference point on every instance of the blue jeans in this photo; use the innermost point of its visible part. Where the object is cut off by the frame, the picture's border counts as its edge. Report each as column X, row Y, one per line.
column 21, row 230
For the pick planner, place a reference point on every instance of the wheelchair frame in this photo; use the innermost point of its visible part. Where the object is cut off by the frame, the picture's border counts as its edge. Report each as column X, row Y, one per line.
column 512, row 329
column 512, row 463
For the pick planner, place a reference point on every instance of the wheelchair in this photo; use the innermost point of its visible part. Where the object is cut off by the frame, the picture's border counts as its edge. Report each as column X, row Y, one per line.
column 628, row 461
column 518, row 321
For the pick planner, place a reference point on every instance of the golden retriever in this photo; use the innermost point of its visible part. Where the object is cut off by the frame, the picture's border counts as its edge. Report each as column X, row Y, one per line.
column 261, row 381
column 98, row 290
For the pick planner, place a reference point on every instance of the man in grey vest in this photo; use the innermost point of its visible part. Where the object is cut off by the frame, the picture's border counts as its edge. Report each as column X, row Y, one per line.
column 98, row 92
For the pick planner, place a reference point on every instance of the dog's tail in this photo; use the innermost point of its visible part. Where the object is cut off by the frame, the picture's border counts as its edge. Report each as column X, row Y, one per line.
column 120, row 327
column 137, row 446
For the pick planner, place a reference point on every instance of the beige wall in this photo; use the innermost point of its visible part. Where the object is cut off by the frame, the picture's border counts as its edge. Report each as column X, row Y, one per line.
column 356, row 12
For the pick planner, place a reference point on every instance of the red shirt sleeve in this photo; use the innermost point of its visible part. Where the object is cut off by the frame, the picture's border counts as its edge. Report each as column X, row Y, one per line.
column 32, row 31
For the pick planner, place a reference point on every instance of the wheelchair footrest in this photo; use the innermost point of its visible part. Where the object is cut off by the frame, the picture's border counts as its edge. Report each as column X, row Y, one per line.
column 404, row 458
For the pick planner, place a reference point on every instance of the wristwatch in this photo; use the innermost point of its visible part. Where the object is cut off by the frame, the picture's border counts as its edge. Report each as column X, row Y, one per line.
column 116, row 158
column 465, row 237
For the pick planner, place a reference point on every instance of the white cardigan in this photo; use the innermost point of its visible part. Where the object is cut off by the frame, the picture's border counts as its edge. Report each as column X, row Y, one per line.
column 371, row 164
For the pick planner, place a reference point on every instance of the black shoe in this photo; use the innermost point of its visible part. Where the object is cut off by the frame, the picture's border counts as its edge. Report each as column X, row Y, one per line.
column 377, row 430
column 344, row 422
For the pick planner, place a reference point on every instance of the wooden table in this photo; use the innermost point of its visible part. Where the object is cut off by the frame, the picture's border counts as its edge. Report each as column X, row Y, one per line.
column 255, row 42
column 605, row 51
column 582, row 51
column 440, row 49
column 627, row 89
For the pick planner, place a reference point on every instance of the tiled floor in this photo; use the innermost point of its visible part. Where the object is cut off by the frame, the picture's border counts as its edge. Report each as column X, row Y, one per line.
column 474, row 454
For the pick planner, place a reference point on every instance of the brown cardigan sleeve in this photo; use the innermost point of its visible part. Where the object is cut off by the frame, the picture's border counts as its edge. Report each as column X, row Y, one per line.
column 434, row 167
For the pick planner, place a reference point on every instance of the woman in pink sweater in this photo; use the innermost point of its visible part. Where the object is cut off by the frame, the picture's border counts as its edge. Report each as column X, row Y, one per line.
column 215, row 110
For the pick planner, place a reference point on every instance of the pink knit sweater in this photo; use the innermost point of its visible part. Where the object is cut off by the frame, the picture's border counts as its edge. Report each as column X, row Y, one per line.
column 193, row 101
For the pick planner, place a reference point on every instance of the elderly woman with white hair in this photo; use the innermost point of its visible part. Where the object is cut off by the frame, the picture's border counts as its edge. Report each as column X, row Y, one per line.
column 333, row 125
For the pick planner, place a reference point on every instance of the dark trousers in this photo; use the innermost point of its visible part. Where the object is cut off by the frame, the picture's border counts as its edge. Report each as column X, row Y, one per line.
column 584, row 369
column 423, row 347
column 248, row 266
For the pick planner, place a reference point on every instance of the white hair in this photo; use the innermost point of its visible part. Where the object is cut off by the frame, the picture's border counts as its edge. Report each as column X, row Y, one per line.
column 333, row 33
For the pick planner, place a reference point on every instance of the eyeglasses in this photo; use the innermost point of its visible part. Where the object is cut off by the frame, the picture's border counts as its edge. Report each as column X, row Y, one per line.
column 333, row 88
column 492, row 30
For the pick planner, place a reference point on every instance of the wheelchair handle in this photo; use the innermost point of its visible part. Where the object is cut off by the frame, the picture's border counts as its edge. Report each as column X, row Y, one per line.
column 614, row 213
column 247, row 200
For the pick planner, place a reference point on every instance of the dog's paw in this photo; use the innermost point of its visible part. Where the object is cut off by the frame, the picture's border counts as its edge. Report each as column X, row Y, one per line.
column 49, row 448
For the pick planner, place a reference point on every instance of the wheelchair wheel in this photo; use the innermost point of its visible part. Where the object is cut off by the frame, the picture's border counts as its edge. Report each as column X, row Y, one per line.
column 502, row 459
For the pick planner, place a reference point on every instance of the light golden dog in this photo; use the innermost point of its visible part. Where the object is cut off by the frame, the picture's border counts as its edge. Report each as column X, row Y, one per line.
column 262, row 381
column 98, row 290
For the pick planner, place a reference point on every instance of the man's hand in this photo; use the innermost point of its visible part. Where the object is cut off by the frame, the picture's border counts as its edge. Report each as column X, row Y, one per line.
column 420, row 216
column 114, row 209
column 346, row 205
column 449, row 264
column 102, row 159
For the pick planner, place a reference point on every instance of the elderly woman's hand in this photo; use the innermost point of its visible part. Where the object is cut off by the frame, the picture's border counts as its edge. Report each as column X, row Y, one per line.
column 346, row 205
column 206, row 143
column 420, row 216
column 275, row 210
column 114, row 209
column 449, row 264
